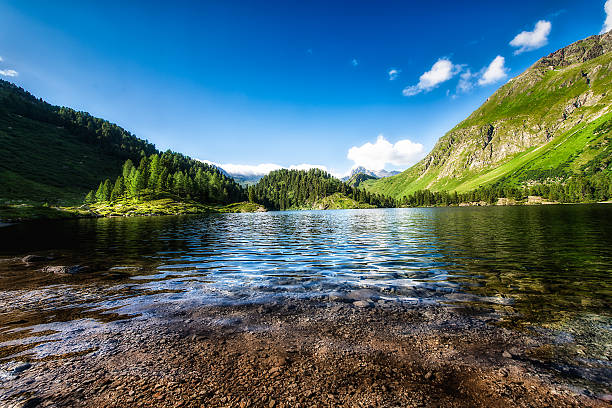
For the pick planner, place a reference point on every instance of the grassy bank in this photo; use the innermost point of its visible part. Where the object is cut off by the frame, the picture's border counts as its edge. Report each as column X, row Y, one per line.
column 163, row 206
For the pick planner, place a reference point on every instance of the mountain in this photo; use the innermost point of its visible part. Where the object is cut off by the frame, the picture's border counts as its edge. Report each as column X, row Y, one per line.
column 311, row 189
column 55, row 155
column 549, row 124
column 373, row 173
column 356, row 179
column 245, row 180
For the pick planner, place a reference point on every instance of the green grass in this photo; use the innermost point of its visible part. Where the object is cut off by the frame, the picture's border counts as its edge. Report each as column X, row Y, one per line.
column 338, row 201
column 42, row 163
column 125, row 207
column 28, row 212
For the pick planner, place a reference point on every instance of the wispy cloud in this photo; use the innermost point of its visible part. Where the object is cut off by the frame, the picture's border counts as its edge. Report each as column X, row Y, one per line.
column 375, row 156
column 1, row 59
column 466, row 81
column 262, row 169
column 532, row 40
column 440, row 72
column 354, row 62
column 394, row 73
column 496, row 71
column 608, row 22
column 8, row 72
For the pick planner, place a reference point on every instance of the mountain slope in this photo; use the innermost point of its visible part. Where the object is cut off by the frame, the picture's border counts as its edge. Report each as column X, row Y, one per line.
column 548, row 124
column 356, row 179
column 53, row 154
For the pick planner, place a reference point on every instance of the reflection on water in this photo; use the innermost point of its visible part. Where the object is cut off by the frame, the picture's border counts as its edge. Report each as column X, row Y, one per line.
column 541, row 265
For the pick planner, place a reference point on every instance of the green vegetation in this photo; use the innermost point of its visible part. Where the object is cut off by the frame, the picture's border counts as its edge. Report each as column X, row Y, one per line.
column 299, row 189
column 338, row 201
column 54, row 155
column 357, row 179
column 550, row 125
column 22, row 212
column 169, row 173
column 159, row 205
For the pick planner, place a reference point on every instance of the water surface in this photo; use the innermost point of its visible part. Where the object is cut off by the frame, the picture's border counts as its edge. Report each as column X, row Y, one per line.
column 546, row 266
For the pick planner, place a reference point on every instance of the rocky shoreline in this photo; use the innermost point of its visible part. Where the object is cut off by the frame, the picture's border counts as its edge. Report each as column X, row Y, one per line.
column 305, row 353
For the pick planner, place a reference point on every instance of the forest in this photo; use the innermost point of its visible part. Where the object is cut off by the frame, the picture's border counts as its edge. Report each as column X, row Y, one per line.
column 576, row 189
column 108, row 136
column 172, row 173
column 294, row 189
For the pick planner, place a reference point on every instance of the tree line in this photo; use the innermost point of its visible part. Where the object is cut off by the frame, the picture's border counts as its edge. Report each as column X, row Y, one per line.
column 108, row 136
column 291, row 189
column 169, row 173
column 577, row 189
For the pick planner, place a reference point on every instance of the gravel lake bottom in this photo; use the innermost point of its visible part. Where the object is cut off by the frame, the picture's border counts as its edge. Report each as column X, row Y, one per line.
column 306, row 354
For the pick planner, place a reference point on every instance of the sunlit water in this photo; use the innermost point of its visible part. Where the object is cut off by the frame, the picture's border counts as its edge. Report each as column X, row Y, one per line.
column 539, row 265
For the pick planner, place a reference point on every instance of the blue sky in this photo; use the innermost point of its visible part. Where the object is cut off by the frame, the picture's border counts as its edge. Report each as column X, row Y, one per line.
column 284, row 82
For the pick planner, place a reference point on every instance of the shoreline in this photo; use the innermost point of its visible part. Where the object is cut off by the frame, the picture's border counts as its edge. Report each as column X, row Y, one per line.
column 41, row 213
column 298, row 354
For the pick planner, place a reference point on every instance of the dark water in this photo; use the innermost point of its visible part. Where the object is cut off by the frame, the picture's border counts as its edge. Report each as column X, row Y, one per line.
column 548, row 265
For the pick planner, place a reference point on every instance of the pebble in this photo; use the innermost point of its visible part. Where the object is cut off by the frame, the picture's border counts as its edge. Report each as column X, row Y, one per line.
column 361, row 303
column 506, row 354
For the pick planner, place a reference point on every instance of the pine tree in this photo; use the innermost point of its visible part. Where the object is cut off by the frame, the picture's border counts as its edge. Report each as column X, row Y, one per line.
column 118, row 189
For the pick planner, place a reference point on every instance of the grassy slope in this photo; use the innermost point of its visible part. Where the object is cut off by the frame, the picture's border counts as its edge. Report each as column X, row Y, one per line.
column 338, row 201
column 538, row 96
column 53, row 165
column 144, row 206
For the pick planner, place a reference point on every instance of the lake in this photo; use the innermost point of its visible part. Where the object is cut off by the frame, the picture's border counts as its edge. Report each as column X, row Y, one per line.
column 537, row 267
column 542, row 262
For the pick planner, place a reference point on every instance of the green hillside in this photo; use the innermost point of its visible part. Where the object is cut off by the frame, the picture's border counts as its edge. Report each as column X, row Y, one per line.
column 357, row 179
column 53, row 154
column 299, row 189
column 549, row 124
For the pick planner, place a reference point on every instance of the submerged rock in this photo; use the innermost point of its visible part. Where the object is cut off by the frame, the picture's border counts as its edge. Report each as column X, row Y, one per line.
column 65, row 270
column 34, row 258
column 20, row 367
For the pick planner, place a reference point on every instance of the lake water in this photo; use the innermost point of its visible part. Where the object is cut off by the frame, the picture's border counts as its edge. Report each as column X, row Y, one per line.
column 545, row 266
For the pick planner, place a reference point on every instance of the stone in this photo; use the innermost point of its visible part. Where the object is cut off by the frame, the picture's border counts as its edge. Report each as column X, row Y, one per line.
column 65, row 270
column 33, row 258
column 20, row 367
column 506, row 354
column 361, row 303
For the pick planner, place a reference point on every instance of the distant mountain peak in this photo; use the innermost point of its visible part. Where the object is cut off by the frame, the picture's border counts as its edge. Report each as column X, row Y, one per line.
column 373, row 173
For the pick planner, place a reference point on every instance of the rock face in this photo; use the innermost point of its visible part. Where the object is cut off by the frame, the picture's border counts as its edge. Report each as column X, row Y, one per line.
column 567, row 88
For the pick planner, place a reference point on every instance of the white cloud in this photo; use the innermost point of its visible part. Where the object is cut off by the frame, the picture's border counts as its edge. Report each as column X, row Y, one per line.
column 9, row 72
column 374, row 156
column 465, row 81
column 354, row 62
column 262, row 169
column 496, row 71
column 1, row 59
column 441, row 71
column 532, row 40
column 393, row 74
column 608, row 23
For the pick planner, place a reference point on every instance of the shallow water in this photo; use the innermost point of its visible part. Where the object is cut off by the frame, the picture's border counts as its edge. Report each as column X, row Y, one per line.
column 546, row 266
